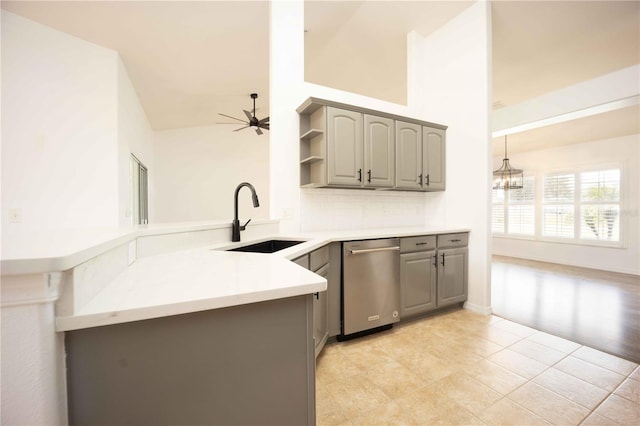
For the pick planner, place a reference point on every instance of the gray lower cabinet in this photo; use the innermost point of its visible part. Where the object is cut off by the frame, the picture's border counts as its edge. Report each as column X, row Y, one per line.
column 243, row 365
column 453, row 261
column 320, row 314
column 418, row 275
column 433, row 272
column 318, row 261
column 417, row 283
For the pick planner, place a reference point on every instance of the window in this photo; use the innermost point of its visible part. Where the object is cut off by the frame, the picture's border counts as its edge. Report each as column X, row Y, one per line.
column 600, row 205
column 139, row 192
column 521, row 208
column 558, row 210
column 578, row 206
column 497, row 217
column 514, row 210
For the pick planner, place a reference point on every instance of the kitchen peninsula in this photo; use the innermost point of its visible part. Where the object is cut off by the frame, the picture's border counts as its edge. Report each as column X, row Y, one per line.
column 225, row 329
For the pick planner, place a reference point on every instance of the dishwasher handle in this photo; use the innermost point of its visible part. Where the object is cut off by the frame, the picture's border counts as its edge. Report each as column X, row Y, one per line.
column 374, row 250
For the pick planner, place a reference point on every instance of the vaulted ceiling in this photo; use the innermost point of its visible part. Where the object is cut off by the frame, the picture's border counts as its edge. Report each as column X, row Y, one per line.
column 190, row 60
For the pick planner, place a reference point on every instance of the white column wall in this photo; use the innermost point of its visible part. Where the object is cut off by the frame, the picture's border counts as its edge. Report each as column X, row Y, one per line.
column 456, row 87
column 286, row 94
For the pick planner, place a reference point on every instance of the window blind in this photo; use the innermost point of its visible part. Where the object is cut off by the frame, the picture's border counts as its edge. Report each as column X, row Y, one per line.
column 600, row 205
column 521, row 208
column 558, row 206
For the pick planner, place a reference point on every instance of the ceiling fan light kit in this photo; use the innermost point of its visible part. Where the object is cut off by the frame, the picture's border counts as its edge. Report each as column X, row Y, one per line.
column 506, row 177
column 253, row 121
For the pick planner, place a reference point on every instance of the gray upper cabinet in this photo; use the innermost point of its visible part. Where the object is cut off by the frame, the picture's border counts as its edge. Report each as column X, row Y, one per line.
column 379, row 152
column 420, row 157
column 343, row 146
column 344, row 143
column 408, row 155
column 433, row 159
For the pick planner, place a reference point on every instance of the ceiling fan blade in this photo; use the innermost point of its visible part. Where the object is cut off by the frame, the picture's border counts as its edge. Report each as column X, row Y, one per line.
column 248, row 114
column 258, row 131
column 228, row 116
column 236, row 130
column 264, row 120
column 264, row 126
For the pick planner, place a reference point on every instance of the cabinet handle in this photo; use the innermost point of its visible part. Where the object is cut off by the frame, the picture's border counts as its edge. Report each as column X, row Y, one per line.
column 427, row 180
column 421, row 244
column 420, row 180
column 374, row 250
column 435, row 260
column 369, row 176
column 442, row 259
column 359, row 175
column 317, row 295
column 455, row 241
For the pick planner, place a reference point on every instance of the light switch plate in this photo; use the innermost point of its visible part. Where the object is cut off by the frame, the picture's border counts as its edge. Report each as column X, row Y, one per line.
column 15, row 215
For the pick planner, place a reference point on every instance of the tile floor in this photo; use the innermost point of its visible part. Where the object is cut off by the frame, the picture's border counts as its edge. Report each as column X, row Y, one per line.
column 460, row 368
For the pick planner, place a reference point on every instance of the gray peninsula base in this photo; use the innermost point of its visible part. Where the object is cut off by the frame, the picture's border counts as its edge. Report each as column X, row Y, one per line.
column 251, row 364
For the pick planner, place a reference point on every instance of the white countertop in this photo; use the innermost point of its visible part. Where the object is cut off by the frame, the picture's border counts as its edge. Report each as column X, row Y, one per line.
column 60, row 250
column 191, row 281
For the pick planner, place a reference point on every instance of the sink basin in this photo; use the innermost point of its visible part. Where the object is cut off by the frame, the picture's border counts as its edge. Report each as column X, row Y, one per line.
column 270, row 246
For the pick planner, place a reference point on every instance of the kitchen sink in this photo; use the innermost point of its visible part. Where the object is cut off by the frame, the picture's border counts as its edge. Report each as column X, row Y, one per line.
column 269, row 246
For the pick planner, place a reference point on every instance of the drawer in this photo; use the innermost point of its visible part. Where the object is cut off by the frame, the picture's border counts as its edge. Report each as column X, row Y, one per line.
column 453, row 240
column 422, row 243
column 302, row 261
column 318, row 258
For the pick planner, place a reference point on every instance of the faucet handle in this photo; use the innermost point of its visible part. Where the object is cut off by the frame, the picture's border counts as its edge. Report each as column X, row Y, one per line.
column 243, row 227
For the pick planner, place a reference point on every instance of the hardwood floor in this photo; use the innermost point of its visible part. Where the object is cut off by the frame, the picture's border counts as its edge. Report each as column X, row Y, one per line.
column 591, row 307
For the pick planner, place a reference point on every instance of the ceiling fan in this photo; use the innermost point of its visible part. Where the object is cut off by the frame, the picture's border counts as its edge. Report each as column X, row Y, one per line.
column 251, row 116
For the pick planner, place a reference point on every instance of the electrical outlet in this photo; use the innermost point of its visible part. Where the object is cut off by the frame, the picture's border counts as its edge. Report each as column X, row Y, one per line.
column 15, row 215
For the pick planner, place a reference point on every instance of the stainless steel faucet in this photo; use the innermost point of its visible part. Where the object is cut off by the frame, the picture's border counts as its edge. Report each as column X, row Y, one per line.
column 236, row 228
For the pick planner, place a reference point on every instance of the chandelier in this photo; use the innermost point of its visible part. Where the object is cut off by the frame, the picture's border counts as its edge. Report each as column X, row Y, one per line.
column 507, row 177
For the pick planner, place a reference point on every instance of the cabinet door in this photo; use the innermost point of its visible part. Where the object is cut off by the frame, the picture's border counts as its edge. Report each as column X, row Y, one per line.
column 408, row 155
column 417, row 282
column 379, row 152
column 320, row 314
column 452, row 276
column 433, row 159
column 344, row 147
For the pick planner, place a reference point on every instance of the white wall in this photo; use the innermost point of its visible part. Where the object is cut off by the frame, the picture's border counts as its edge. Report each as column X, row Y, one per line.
column 134, row 137
column 453, row 82
column 449, row 83
column 69, row 118
column 59, row 129
column 197, row 169
column 624, row 151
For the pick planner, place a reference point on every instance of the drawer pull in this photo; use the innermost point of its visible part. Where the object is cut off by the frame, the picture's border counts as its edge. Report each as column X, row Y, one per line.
column 421, row 244
column 455, row 241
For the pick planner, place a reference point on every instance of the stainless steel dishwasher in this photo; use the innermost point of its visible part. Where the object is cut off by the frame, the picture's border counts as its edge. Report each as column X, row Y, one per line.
column 370, row 286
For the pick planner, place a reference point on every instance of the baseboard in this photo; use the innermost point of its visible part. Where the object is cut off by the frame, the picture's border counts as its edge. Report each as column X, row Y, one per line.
column 478, row 309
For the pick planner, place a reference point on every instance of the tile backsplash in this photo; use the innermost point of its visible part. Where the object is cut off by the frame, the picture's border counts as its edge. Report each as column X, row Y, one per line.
column 341, row 209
